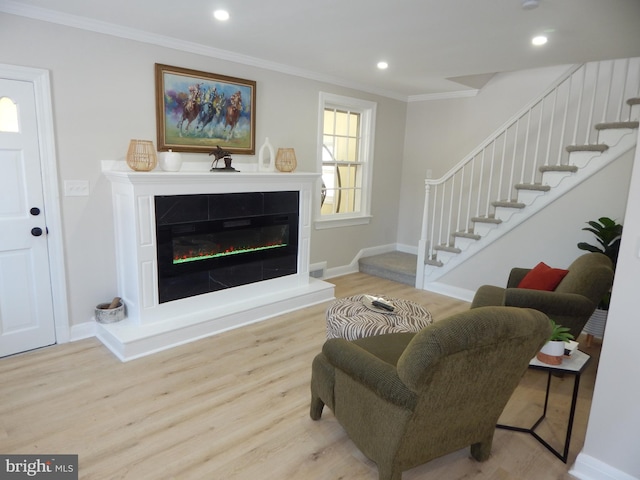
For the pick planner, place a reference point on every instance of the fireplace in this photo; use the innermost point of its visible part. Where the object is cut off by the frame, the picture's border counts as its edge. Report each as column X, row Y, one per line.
column 175, row 292
column 207, row 243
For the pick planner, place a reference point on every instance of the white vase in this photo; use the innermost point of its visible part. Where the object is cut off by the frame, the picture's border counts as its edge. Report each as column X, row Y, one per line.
column 262, row 153
column 170, row 161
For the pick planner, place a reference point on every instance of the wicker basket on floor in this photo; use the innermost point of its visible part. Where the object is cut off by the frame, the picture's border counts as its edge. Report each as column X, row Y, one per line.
column 141, row 155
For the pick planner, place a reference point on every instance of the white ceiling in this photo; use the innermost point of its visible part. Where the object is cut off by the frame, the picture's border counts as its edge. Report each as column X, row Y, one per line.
column 427, row 43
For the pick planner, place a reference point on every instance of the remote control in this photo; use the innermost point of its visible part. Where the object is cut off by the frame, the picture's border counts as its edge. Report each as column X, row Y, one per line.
column 385, row 306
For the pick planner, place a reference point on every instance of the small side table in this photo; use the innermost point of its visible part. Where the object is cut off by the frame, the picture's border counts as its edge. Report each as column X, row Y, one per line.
column 573, row 365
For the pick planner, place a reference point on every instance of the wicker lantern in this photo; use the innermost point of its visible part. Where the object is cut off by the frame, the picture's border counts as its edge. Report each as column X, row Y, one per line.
column 141, row 155
column 286, row 160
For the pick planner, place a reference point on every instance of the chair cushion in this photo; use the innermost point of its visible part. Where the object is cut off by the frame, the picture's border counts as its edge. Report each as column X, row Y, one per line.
column 543, row 277
column 387, row 347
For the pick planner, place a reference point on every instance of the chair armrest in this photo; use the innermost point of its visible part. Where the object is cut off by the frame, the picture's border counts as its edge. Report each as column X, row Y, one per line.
column 363, row 367
column 550, row 303
column 516, row 276
column 488, row 296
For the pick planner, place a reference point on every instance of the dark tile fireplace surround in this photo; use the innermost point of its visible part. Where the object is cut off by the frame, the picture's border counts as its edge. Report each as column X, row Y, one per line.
column 211, row 242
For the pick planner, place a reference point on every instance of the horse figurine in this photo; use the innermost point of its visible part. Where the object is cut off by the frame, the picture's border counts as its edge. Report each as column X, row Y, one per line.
column 219, row 154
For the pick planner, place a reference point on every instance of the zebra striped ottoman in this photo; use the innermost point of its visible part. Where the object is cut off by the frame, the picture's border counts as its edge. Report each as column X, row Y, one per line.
column 351, row 319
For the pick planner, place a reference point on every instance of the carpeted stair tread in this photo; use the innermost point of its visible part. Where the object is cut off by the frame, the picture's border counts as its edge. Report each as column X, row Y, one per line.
column 558, row 168
column 486, row 220
column 538, row 187
column 612, row 125
column 587, row 148
column 397, row 266
column 447, row 248
column 506, row 204
column 472, row 236
column 434, row 263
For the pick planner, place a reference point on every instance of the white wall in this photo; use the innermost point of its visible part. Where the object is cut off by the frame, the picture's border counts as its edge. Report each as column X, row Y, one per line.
column 103, row 95
column 612, row 443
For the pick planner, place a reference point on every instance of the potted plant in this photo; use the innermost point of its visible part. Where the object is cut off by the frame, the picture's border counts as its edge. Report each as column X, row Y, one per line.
column 553, row 351
column 608, row 233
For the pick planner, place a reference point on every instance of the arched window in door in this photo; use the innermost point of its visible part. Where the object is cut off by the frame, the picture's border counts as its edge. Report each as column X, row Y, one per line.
column 8, row 116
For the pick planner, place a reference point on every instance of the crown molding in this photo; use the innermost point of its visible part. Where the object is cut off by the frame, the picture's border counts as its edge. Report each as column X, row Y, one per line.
column 83, row 23
column 443, row 96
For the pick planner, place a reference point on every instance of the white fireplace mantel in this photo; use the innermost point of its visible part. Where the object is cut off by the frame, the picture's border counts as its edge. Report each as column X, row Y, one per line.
column 151, row 326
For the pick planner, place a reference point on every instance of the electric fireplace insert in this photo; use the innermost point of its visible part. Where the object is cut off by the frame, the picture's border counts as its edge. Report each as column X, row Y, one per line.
column 207, row 243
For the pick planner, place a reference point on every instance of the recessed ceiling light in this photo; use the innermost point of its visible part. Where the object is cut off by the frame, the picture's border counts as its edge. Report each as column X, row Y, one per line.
column 221, row 15
column 383, row 65
column 539, row 40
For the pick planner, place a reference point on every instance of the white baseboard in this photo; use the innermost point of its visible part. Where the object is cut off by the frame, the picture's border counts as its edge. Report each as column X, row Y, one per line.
column 82, row 331
column 370, row 251
column 318, row 270
column 589, row 468
column 339, row 271
column 450, row 291
column 412, row 249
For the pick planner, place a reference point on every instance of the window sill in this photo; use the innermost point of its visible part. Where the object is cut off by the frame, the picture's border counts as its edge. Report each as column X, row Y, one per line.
column 323, row 224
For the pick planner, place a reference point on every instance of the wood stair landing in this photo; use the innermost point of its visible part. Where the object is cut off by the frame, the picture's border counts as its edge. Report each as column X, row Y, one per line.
column 397, row 266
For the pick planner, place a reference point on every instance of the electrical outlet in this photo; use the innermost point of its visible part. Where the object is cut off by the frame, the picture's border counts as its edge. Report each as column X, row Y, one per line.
column 76, row 188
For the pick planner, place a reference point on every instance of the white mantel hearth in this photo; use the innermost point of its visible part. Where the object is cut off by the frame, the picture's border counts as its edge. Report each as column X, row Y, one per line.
column 151, row 326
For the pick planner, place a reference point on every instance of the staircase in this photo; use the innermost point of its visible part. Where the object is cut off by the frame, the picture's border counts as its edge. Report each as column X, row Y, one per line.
column 585, row 120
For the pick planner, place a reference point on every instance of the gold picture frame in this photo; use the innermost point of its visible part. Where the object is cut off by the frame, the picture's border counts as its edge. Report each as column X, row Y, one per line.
column 198, row 111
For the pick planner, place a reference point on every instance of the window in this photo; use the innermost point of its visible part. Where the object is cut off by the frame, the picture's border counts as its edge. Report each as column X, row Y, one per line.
column 8, row 116
column 345, row 157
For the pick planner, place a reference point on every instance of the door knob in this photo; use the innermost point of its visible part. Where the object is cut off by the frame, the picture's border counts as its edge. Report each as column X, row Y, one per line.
column 36, row 231
column 34, row 211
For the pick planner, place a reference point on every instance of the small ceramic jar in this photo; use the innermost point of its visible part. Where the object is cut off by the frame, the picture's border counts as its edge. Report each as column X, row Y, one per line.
column 170, row 161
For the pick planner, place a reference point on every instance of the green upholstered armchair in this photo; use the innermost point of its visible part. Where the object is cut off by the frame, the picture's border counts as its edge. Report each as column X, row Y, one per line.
column 407, row 398
column 572, row 302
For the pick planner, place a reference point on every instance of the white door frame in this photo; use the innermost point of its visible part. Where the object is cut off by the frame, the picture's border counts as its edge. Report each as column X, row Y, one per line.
column 48, row 164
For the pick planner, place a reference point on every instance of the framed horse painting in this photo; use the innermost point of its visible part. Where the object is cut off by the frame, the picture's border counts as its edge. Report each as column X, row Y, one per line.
column 199, row 111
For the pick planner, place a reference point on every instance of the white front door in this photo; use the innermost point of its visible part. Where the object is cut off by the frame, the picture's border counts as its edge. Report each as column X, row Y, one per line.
column 26, row 303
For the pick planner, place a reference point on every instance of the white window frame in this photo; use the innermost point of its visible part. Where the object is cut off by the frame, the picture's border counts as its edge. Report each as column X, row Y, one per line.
column 367, row 111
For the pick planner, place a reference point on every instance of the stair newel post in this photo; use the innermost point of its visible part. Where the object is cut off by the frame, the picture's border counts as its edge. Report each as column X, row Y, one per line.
column 423, row 243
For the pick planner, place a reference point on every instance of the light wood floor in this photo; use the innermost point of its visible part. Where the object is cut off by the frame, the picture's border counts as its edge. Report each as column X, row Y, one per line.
column 235, row 406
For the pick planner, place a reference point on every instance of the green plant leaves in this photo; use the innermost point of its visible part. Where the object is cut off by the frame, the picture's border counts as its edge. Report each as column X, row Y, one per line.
column 559, row 333
column 607, row 233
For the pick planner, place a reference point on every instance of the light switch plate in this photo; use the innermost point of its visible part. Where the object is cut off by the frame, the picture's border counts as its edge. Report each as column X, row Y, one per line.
column 76, row 188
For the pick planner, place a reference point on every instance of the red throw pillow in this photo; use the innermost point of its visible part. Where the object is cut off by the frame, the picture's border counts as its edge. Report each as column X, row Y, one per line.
column 543, row 277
